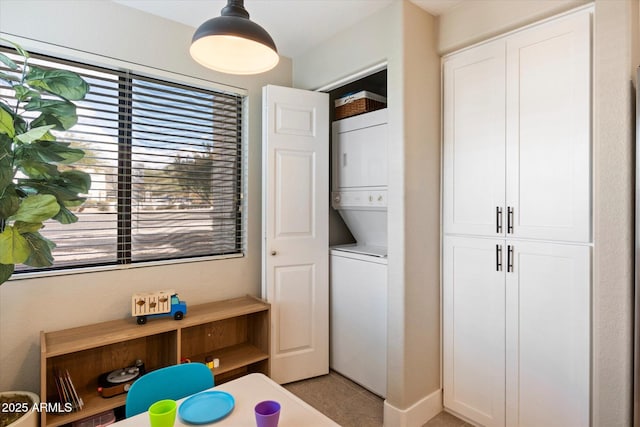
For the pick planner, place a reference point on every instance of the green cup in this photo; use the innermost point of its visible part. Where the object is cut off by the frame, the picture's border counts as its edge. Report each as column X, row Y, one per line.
column 163, row 413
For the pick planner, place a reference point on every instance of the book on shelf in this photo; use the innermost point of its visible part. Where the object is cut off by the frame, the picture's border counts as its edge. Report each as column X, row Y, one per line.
column 69, row 397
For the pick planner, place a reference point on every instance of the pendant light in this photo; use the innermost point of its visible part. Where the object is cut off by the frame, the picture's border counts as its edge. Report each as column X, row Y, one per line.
column 232, row 43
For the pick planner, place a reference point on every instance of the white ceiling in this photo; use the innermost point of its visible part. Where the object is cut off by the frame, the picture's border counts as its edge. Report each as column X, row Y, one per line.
column 295, row 25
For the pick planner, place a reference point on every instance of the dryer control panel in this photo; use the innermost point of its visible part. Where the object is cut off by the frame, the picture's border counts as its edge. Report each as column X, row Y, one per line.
column 366, row 199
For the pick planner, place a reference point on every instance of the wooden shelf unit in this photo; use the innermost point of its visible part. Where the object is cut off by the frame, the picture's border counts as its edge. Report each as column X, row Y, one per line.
column 235, row 331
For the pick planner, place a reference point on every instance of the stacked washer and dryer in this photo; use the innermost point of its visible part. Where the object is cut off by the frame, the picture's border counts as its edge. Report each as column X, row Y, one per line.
column 358, row 276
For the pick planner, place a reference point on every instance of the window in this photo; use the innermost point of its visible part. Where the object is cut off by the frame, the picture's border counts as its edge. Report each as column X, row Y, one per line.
column 166, row 166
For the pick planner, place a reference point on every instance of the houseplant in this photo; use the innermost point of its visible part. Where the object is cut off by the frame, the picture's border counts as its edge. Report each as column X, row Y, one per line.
column 19, row 409
column 37, row 179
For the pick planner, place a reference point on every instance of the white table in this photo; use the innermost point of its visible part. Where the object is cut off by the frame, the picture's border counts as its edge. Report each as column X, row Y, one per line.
column 247, row 392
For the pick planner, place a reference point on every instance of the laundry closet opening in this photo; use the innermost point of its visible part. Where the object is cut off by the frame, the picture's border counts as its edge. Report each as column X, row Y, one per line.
column 358, row 231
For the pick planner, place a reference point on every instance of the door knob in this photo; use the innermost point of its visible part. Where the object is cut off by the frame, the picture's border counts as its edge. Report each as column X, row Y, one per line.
column 274, row 253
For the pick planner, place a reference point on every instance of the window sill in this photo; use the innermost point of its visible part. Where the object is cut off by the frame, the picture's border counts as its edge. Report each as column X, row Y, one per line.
column 83, row 270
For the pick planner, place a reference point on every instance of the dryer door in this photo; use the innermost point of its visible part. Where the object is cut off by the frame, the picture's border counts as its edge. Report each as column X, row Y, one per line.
column 360, row 151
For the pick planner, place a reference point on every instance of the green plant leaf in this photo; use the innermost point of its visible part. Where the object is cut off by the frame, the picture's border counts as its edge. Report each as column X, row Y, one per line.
column 14, row 248
column 23, row 92
column 9, row 204
column 38, row 170
column 53, row 151
column 20, row 125
column 33, row 185
column 40, row 250
column 17, row 47
column 61, row 107
column 34, row 134
column 62, row 114
column 6, row 123
column 60, row 122
column 37, row 208
column 27, row 227
column 49, row 152
column 8, row 62
column 5, row 106
column 65, row 216
column 6, row 158
column 6, row 270
column 73, row 203
column 66, row 84
column 77, row 181
column 24, row 192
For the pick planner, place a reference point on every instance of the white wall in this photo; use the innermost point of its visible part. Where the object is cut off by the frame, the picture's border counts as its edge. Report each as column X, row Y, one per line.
column 421, row 216
column 471, row 22
column 367, row 43
column 111, row 30
column 613, row 213
column 615, row 25
column 404, row 36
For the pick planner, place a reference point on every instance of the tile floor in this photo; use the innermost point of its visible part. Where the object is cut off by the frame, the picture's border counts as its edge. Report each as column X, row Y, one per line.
column 350, row 405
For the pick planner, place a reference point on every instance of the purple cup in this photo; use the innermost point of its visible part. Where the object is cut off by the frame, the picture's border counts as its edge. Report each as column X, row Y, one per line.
column 267, row 413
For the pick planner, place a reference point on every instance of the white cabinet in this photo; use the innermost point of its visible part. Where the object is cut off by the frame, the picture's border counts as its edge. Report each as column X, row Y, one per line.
column 361, row 146
column 473, row 299
column 516, row 342
column 516, row 253
column 548, row 130
column 547, row 334
column 474, row 140
column 516, row 132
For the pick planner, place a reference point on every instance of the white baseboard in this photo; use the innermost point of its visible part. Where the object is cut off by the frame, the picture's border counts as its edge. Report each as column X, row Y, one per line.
column 416, row 415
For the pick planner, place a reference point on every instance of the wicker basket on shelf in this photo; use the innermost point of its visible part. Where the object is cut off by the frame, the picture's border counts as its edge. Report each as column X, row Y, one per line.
column 358, row 103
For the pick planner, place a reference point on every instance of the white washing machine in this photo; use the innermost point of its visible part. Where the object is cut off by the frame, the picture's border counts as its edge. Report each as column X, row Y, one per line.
column 358, row 301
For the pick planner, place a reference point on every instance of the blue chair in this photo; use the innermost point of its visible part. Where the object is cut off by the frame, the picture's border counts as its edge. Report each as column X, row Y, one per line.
column 173, row 382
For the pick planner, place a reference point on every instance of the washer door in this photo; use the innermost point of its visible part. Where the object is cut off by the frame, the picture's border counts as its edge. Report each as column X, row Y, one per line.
column 358, row 304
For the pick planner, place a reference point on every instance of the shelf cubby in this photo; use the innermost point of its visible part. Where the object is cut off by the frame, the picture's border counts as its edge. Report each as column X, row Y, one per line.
column 235, row 331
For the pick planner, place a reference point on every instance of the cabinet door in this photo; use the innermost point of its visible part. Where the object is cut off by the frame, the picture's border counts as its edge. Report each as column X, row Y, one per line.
column 474, row 329
column 474, row 140
column 548, row 301
column 360, row 151
column 548, row 130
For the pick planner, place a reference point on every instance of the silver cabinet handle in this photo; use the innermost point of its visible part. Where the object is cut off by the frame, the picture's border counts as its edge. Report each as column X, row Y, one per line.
column 509, row 258
column 509, row 220
column 498, row 257
column 498, row 219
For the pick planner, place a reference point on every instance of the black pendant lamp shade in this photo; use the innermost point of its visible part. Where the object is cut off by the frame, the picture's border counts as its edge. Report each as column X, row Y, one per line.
column 232, row 43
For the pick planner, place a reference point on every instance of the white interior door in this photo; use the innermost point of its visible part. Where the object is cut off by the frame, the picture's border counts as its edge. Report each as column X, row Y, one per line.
column 295, row 203
column 548, row 130
column 474, row 141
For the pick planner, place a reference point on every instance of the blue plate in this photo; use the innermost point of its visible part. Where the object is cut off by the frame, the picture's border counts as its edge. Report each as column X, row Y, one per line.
column 206, row 407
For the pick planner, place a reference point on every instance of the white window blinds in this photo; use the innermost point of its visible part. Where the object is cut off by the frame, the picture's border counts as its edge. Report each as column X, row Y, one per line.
column 166, row 166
